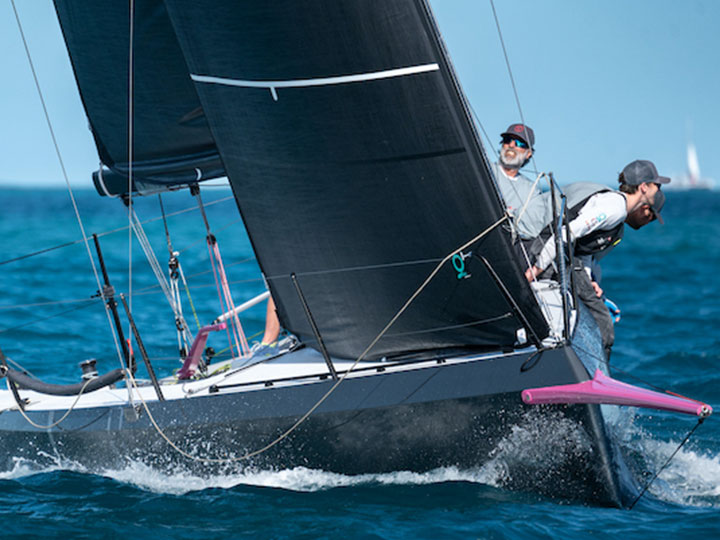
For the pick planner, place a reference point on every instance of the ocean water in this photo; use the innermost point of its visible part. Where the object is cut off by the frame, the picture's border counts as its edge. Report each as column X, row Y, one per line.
column 664, row 278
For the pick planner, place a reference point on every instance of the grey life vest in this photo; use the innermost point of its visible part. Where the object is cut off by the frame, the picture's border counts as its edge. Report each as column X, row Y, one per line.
column 599, row 242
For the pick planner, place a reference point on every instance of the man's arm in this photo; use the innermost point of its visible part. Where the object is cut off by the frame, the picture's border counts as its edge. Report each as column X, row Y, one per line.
column 602, row 211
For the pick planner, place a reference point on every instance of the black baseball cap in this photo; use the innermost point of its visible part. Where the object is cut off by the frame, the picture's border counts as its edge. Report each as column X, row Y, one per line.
column 522, row 132
column 641, row 171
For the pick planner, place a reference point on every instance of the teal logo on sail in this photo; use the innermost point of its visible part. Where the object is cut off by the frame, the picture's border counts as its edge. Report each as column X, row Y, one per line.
column 458, row 262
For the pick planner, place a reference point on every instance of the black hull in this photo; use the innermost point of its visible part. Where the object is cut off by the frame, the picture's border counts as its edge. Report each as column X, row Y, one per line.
column 431, row 416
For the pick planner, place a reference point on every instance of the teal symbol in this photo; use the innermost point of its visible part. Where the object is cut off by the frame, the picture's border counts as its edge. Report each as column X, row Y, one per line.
column 458, row 262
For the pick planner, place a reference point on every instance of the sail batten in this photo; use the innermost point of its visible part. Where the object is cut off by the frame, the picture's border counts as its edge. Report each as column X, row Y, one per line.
column 323, row 81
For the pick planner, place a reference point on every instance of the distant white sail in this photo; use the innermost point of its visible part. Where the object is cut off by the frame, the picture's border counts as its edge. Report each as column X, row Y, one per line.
column 691, row 179
column 693, row 165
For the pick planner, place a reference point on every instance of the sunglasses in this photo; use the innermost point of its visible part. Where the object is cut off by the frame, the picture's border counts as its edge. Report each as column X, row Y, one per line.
column 518, row 142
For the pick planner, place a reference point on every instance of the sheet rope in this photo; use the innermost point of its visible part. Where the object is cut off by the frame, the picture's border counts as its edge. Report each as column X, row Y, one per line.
column 332, row 389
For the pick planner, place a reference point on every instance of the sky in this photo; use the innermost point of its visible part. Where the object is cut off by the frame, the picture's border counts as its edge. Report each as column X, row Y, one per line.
column 602, row 82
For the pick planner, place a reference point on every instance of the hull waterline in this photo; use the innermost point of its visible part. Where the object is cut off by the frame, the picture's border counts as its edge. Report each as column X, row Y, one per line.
column 456, row 412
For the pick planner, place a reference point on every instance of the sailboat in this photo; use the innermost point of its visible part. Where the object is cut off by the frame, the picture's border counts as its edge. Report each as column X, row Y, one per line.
column 692, row 179
column 375, row 219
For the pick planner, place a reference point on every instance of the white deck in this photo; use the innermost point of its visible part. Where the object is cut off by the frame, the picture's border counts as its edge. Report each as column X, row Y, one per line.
column 300, row 367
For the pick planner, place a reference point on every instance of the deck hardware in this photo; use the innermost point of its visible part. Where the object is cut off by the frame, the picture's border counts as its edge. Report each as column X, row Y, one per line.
column 143, row 352
column 314, row 327
column 561, row 265
column 511, row 301
column 108, row 294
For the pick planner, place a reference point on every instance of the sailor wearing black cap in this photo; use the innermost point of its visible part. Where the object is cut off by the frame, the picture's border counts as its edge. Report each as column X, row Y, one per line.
column 597, row 216
column 521, row 196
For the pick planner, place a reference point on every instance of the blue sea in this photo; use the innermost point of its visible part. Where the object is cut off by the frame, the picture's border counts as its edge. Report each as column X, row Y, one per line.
column 664, row 278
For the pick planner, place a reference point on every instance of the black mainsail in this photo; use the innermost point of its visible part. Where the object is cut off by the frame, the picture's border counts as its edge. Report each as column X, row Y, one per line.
column 357, row 169
column 172, row 141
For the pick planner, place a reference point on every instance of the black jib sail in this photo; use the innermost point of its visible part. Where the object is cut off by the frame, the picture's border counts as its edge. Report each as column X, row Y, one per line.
column 172, row 141
column 357, row 169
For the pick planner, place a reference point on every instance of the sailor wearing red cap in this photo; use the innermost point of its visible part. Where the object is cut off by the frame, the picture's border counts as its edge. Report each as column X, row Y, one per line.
column 521, row 196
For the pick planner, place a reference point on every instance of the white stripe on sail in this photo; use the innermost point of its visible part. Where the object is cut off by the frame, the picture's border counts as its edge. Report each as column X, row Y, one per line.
column 323, row 81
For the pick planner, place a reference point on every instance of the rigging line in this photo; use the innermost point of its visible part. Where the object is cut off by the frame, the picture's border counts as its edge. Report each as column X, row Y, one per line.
column 651, row 385
column 228, row 225
column 207, row 184
column 54, row 424
column 182, row 335
column 530, row 194
column 482, row 127
column 631, row 376
column 510, row 73
column 234, row 328
column 157, row 270
column 337, row 383
column 187, row 291
column 120, row 229
column 507, row 61
column 453, row 326
column 28, row 255
column 243, row 261
column 53, row 303
column 65, row 175
column 167, row 231
column 513, row 226
column 145, row 291
column 183, row 211
column 19, row 367
column 686, row 439
column 35, row 321
column 131, row 100
column 358, row 268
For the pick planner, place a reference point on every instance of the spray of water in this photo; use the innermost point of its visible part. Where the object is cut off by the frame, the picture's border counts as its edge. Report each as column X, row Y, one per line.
column 528, row 453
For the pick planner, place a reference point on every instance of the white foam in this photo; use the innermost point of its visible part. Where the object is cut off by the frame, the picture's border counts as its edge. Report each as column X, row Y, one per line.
column 296, row 479
column 24, row 467
column 539, row 441
column 691, row 478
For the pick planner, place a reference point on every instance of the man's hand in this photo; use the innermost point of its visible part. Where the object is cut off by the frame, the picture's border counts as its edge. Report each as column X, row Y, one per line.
column 598, row 290
column 532, row 272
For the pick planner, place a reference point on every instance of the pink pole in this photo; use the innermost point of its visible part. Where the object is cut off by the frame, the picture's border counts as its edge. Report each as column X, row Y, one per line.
column 196, row 349
column 602, row 389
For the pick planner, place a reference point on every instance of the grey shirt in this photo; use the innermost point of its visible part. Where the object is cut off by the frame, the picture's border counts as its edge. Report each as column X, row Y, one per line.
column 515, row 192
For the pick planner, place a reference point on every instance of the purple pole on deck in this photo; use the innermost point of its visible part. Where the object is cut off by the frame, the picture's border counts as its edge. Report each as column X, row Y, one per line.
column 602, row 389
column 196, row 349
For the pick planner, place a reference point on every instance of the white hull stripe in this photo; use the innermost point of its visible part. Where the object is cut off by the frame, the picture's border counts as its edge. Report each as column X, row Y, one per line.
column 300, row 83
